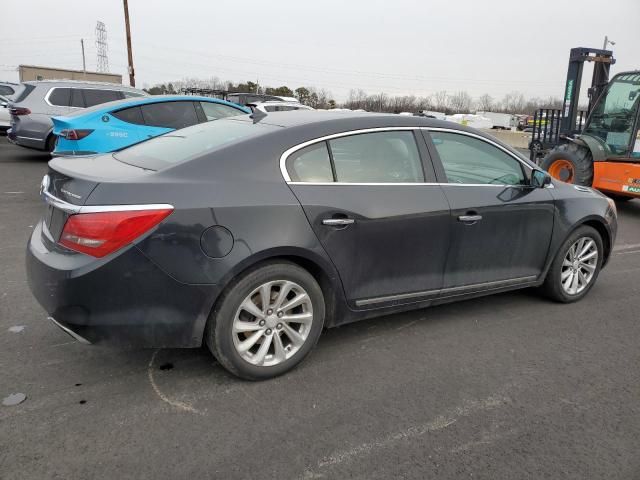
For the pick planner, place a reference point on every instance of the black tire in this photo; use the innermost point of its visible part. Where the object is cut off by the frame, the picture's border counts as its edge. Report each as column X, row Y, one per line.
column 552, row 286
column 50, row 145
column 580, row 158
column 219, row 332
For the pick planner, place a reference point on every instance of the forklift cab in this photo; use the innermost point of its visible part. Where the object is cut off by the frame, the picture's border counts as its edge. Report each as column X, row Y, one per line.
column 614, row 120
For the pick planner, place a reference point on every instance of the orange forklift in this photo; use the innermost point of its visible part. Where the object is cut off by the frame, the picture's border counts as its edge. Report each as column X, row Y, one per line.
column 599, row 147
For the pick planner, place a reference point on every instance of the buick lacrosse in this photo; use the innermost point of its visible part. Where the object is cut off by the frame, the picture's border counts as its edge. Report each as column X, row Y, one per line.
column 253, row 233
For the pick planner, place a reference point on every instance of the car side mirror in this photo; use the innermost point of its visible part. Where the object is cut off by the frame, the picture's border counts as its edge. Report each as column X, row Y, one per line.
column 540, row 179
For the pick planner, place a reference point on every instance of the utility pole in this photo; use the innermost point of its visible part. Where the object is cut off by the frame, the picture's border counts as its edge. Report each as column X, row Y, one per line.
column 132, row 75
column 84, row 63
column 607, row 42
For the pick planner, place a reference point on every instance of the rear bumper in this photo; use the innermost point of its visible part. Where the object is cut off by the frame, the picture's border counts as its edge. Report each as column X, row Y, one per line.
column 122, row 299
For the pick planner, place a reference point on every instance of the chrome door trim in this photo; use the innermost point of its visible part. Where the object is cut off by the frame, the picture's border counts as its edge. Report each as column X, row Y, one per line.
column 447, row 292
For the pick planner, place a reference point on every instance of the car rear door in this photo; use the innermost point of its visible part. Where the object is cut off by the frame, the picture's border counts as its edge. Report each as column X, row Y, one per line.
column 501, row 226
column 370, row 198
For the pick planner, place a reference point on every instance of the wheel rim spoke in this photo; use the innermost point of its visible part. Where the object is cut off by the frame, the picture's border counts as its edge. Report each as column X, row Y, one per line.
column 285, row 288
column 241, row 326
column 265, row 296
column 298, row 318
column 294, row 336
column 262, row 351
column 252, row 308
column 565, row 274
column 589, row 256
column 294, row 302
column 250, row 342
column 280, row 354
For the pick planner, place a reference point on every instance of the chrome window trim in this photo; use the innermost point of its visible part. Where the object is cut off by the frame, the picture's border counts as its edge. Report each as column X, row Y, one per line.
column 77, row 209
column 288, row 152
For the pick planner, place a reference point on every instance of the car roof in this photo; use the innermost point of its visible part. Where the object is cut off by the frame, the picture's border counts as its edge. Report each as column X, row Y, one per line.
column 119, row 86
column 132, row 102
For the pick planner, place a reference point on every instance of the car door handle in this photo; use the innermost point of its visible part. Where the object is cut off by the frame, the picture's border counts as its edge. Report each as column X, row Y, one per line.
column 338, row 222
column 469, row 218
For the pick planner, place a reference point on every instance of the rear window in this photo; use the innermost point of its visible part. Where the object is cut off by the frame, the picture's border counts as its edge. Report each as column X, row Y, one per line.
column 176, row 147
column 170, row 114
column 24, row 93
column 6, row 90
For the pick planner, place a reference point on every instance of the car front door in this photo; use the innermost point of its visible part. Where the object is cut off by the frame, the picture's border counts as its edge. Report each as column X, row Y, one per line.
column 372, row 200
column 501, row 226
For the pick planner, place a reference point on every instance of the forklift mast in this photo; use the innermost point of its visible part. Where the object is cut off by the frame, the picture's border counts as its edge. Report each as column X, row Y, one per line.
column 603, row 59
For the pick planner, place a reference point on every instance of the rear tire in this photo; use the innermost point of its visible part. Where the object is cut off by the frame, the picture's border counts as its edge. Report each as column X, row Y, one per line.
column 50, row 145
column 558, row 283
column 232, row 327
column 570, row 163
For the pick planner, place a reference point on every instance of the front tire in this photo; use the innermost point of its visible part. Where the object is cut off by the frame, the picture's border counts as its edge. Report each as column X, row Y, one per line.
column 570, row 163
column 266, row 321
column 576, row 266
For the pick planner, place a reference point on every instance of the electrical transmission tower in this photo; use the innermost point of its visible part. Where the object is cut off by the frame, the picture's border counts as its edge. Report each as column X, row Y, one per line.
column 102, row 47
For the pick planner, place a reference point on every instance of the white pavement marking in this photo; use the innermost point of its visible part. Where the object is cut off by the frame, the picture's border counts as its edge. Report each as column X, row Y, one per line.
column 438, row 423
column 625, row 247
column 185, row 407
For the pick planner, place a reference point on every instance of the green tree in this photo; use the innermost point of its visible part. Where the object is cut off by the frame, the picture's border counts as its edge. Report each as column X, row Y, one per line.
column 303, row 95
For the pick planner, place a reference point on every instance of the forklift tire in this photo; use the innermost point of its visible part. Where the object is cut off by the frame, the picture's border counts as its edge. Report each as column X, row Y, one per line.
column 570, row 163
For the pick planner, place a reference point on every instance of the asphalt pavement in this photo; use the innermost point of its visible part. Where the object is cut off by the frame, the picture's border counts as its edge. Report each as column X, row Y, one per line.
column 511, row 386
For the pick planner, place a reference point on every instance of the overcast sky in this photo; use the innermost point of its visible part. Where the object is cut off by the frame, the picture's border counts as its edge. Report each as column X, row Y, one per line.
column 395, row 46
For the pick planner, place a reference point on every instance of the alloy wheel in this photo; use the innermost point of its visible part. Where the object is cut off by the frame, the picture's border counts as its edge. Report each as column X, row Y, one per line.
column 272, row 323
column 579, row 265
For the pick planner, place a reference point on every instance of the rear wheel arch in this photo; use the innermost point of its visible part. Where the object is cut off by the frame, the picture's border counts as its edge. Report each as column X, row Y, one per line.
column 319, row 269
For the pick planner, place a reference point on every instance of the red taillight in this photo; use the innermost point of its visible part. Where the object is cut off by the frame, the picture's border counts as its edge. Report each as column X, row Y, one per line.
column 99, row 234
column 75, row 134
column 17, row 111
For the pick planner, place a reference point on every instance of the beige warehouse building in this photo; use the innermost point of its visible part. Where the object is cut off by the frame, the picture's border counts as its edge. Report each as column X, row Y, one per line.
column 34, row 72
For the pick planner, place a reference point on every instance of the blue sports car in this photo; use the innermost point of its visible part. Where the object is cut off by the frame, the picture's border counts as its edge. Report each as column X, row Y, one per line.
column 116, row 125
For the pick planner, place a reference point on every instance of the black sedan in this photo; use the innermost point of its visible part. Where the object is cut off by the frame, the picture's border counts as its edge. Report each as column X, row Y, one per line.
column 252, row 233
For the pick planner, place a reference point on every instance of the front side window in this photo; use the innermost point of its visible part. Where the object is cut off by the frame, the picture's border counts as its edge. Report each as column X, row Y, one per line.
column 170, row 114
column 380, row 157
column 310, row 164
column 94, row 96
column 214, row 111
column 470, row 160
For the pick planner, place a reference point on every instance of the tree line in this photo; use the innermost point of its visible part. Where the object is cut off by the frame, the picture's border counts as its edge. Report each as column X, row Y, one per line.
column 440, row 101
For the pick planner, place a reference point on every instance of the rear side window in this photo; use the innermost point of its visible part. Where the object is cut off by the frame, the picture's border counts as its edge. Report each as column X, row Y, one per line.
column 130, row 115
column 214, row 111
column 77, row 100
column 380, row 157
column 94, row 96
column 196, row 141
column 6, row 90
column 60, row 97
column 310, row 164
column 473, row 161
column 170, row 114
